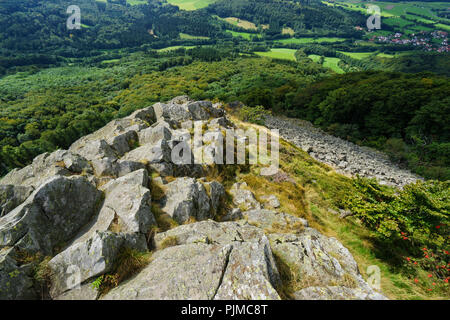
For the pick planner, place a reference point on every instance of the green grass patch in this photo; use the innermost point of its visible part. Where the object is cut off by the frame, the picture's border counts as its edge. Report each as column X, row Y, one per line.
column 173, row 48
column 279, row 53
column 332, row 63
column 186, row 36
column 310, row 40
column 191, row 4
column 245, row 35
column 357, row 55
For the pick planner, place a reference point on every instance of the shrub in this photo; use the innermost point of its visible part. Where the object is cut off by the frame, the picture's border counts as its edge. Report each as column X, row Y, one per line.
column 253, row 114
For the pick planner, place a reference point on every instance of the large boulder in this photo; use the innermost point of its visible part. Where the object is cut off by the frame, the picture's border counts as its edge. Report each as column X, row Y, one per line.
column 84, row 260
column 210, row 232
column 191, row 271
column 251, row 273
column 93, row 150
column 46, row 165
column 159, row 131
column 51, row 215
column 186, row 197
column 126, row 208
column 206, row 260
column 318, row 261
column 150, row 153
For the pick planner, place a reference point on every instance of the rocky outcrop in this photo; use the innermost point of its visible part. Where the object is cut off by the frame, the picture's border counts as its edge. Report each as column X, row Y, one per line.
column 12, row 196
column 243, row 198
column 47, row 165
column 110, row 193
column 231, row 261
column 15, row 280
column 51, row 215
column 336, row 293
column 187, row 197
column 344, row 156
column 83, row 261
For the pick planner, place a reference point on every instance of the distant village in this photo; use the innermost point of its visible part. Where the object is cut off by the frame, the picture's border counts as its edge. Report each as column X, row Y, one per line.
column 429, row 41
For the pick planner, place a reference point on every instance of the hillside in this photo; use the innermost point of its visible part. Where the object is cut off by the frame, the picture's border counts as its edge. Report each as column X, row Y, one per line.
column 144, row 215
column 134, row 162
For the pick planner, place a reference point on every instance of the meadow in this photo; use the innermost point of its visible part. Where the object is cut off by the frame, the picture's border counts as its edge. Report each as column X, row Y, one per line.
column 309, row 40
column 191, row 4
column 357, row 55
column 279, row 53
column 186, row 36
column 328, row 62
column 245, row 35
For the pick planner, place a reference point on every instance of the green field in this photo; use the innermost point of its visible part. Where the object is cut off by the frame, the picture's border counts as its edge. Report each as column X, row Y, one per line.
column 186, row 36
column 279, row 53
column 357, row 55
column 329, row 62
column 245, row 35
column 309, row 40
column 191, row 4
column 174, row 48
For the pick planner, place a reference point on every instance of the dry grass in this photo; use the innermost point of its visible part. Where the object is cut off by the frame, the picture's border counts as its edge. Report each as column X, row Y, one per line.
column 129, row 262
column 163, row 220
column 169, row 241
column 296, row 227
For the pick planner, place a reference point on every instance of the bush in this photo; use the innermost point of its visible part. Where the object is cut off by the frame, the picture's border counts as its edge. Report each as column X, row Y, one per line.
column 253, row 114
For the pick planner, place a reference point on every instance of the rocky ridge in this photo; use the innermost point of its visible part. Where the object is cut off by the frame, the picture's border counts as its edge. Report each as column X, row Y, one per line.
column 83, row 206
column 345, row 157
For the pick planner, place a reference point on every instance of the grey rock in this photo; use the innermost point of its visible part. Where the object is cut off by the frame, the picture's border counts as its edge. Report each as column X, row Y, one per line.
column 122, row 128
column 233, row 214
column 251, row 273
column 185, row 198
column 104, row 167
column 270, row 220
column 127, row 207
column 83, row 261
column 147, row 115
column 160, row 131
column 336, row 293
column 244, row 198
column 191, row 271
column 93, row 150
column 15, row 283
column 231, row 261
column 83, row 292
column 318, row 261
column 124, row 167
column 46, row 165
column 272, row 201
column 217, row 193
column 123, row 142
column 150, row 153
column 12, row 196
column 344, row 156
column 51, row 215
column 211, row 232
